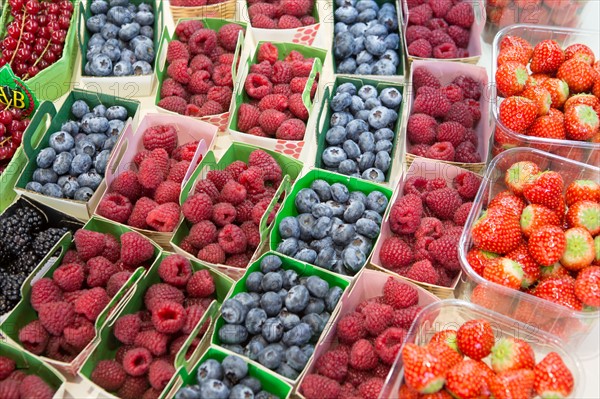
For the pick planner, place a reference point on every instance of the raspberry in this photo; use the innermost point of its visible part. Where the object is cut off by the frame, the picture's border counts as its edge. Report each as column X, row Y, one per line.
column 203, row 41
column 297, row 85
column 270, row 10
column 193, row 315
column 357, row 377
column 133, row 388
column 17, row 375
column 160, row 373
column 232, row 239
column 55, row 316
column 399, row 295
column 443, row 151
column 127, row 185
column 395, row 253
column 158, row 293
column 351, row 328
column 91, row 303
column 9, row 389
column 262, row 68
column 302, row 69
column 33, row 386
column 152, row 340
column 115, row 206
column 207, row 187
column 200, row 82
column 43, row 291
column 429, row 227
column 259, row 210
column 432, row 102
column 277, row 102
column 420, row 48
column 127, row 327
column 173, row 103
column 212, row 253
column 151, row 174
column 7, row 366
column 459, row 35
column 167, row 191
column 415, row 185
column 228, row 36
column 219, row 178
column 316, row 386
column 436, row 183
column 202, row 233
column 452, row 132
column 221, row 95
column 79, row 334
column 69, row 277
column 461, row 113
column 238, row 260
column 443, row 202
column 461, row 14
column 414, row 33
column 262, row 21
column 362, row 355
column 474, row 107
column 164, row 218
column 140, row 212
column 445, row 251
column 419, row 150
column 288, row 22
column 388, row 344
column 439, row 37
column 257, row 86
column 467, row 153
column 403, row 318
column 297, row 107
column 171, row 87
column 378, row 317
column 252, row 234
column 268, row 52
column 467, row 184
column 216, row 53
column 282, row 72
column 109, row 375
column 248, row 116
column 462, row 213
column 420, row 14
column 187, row 246
column 135, row 249
column 151, row 393
column 201, row 284
column 308, row 20
column 440, row 7
column 236, row 168
column 291, row 129
column 201, row 62
column 371, row 388
column 333, row 364
column 175, row 270
column 233, row 193
column 88, row 243
column 271, row 169
column 197, row 208
column 453, row 93
column 223, row 213
column 423, row 271
column 34, row 337
column 421, row 129
column 186, row 28
column 405, row 215
column 168, row 317
column 72, row 257
column 244, row 211
column 297, row 8
column 471, row 88
column 161, row 136
column 178, row 71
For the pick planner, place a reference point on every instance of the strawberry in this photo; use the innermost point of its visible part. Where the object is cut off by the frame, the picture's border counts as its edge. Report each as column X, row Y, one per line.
column 558, row 89
column 497, row 231
column 536, row 79
column 579, row 252
column 508, row 202
column 547, row 244
column 449, row 356
column 535, row 216
column 560, row 291
column 513, row 384
column 479, row 259
column 544, row 189
column 587, row 286
column 518, row 174
column 596, row 88
column 515, row 42
column 581, row 122
column 531, row 269
column 513, row 54
column 578, row 75
column 548, row 127
column 423, row 372
column 585, row 214
column 406, row 392
column 580, row 52
column 465, row 379
column 475, row 338
column 553, row 271
column 504, row 271
column 547, row 57
column 447, row 337
column 553, row 379
column 540, row 96
column 586, row 99
column 512, row 354
column 518, row 113
column 511, row 78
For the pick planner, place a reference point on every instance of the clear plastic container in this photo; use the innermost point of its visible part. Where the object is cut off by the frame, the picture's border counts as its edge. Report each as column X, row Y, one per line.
column 451, row 314
column 582, row 151
column 570, row 325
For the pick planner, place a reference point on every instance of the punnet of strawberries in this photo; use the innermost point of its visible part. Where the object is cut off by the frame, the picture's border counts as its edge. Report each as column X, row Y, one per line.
column 541, row 236
column 547, row 91
column 472, row 362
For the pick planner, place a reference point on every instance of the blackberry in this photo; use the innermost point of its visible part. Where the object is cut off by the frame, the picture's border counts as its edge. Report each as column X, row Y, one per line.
column 14, row 235
column 24, row 264
column 45, row 240
column 10, row 286
column 30, row 217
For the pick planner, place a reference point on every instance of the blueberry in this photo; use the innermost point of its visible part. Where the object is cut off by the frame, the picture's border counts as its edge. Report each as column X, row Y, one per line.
column 61, row 141
column 367, row 15
column 352, row 150
column 347, row 167
column 340, row 193
column 306, row 255
column 144, row 18
column 34, row 186
column 44, row 176
column 129, row 31
column 298, row 336
column 364, row 57
column 306, row 222
column 364, row 69
column 326, row 258
column 340, row 102
column 390, row 97
column 321, row 229
column 383, row 161
column 123, row 68
column 270, row 357
column 253, row 282
column 384, row 134
column 359, row 45
column 95, row 23
column 96, row 40
column 288, row 319
column 109, row 31
column 187, row 392
column 383, row 145
column 337, row 208
column 83, row 194
column 147, row 31
column 367, row 227
column 233, row 311
column 209, row 369
column 91, row 179
column 119, row 15
column 306, row 199
column 98, row 124
column 371, row 103
column 99, row 110
column 297, row 299
column 52, row 190
column 340, row 27
column 114, row 3
column 265, row 395
column 348, row 65
column 322, row 189
column 110, row 143
column 357, row 104
column 390, row 21
column 272, row 281
column 116, row 112
column 363, row 114
column 384, row 67
column 366, row 5
column 333, row 297
column 270, row 263
column 85, row 147
column 99, row 7
column 70, row 127
column 288, row 247
column 128, row 56
column 317, row 287
column 101, row 65
column 354, row 259
column 253, row 383
column 234, row 369
column 381, row 117
column 273, row 329
column 322, row 209
column 253, row 348
column 392, row 42
column 346, row 88
column 346, row 14
column 271, row 303
column 142, row 68
column 287, row 371
column 354, row 212
column 241, row 392
column 358, row 196
column 366, row 142
column 343, row 234
column 315, row 323
column 377, row 201
column 144, row 52
column 367, row 91
column 355, row 128
column 315, row 305
column 373, row 174
column 97, row 139
column 115, row 127
column 389, row 57
column 319, row 245
column 340, row 119
column 357, row 30
column 335, row 135
column 325, row 316
column 374, row 216
column 247, row 300
column 93, row 50
column 136, row 41
column 290, row 278
column 288, row 227
column 46, row 157
column 214, row 389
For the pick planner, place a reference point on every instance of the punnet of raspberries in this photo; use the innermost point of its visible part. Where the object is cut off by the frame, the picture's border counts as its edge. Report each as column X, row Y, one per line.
column 69, row 300
column 224, row 211
column 273, row 88
column 439, row 29
column 199, row 69
column 444, row 118
column 151, row 337
column 427, row 222
column 541, row 236
column 281, row 14
column 18, row 383
column 279, row 317
column 365, row 345
column 471, row 362
column 195, row 3
column 547, row 91
column 147, row 195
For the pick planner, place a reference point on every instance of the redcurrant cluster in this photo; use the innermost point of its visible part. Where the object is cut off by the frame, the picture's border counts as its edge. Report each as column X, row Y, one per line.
column 36, row 35
column 12, row 126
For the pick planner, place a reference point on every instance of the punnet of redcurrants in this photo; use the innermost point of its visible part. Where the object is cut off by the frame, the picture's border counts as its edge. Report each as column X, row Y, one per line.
column 13, row 123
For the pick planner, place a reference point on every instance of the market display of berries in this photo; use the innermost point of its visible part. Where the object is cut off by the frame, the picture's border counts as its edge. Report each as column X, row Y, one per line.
column 35, row 36
column 147, row 195
column 366, row 39
column 279, row 317
column 68, row 303
column 547, row 91
column 151, row 337
column 199, row 69
column 444, row 118
column 366, row 343
column 13, row 123
column 25, row 239
column 225, row 210
column 122, row 39
column 335, row 229
column 439, row 29
column 73, row 164
column 541, row 237
column 18, row 384
column 226, row 379
column 281, row 14
column 472, row 362
column 362, row 134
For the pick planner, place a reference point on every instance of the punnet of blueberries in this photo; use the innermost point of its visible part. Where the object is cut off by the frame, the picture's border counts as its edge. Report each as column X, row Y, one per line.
column 361, row 136
column 279, row 317
column 73, row 164
column 228, row 379
column 121, row 41
column 366, row 39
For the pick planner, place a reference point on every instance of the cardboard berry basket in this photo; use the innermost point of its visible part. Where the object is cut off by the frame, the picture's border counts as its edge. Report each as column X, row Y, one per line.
column 288, row 147
column 131, row 143
column 31, row 365
column 187, row 375
column 121, row 86
column 303, row 270
column 324, row 120
column 505, row 138
column 56, row 80
column 289, row 208
column 570, row 325
column 369, row 284
column 107, row 344
column 240, row 57
column 223, row 10
column 446, row 72
column 24, row 313
column 474, row 48
column 451, row 314
column 428, row 169
column 236, row 152
column 36, row 138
